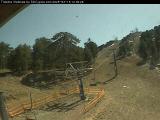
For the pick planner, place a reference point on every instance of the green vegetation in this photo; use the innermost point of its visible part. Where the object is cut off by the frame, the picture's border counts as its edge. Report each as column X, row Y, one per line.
column 20, row 59
column 149, row 48
column 46, row 53
column 129, row 44
column 90, row 50
column 54, row 53
column 40, row 54
column 4, row 55
column 145, row 45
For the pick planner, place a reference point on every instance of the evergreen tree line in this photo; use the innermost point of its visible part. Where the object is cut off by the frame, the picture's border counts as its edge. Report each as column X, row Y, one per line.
column 46, row 53
column 149, row 47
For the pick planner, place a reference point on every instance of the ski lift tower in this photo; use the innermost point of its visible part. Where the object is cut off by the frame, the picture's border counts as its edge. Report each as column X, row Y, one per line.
column 77, row 70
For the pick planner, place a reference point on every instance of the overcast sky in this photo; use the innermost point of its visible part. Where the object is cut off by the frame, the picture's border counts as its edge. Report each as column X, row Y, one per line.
column 99, row 22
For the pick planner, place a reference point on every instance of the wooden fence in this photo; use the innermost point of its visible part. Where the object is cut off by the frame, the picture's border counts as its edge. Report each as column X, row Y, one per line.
column 94, row 101
column 14, row 110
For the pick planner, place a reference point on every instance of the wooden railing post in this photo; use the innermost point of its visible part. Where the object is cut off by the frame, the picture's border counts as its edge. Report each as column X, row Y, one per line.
column 3, row 110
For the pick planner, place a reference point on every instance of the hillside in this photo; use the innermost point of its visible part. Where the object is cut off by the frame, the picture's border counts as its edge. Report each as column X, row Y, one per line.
column 133, row 94
column 145, row 44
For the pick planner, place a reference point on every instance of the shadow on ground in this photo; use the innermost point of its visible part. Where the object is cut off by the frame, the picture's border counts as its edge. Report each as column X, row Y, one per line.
column 61, row 107
column 39, row 80
column 105, row 82
column 4, row 74
column 111, row 79
column 17, row 74
column 140, row 63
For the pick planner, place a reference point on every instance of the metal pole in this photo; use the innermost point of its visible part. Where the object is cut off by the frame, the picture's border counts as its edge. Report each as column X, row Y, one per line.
column 115, row 63
column 30, row 99
column 3, row 111
column 94, row 71
column 94, row 74
column 81, row 86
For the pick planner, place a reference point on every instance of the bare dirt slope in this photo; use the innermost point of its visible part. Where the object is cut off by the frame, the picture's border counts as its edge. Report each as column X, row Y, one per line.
column 132, row 95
